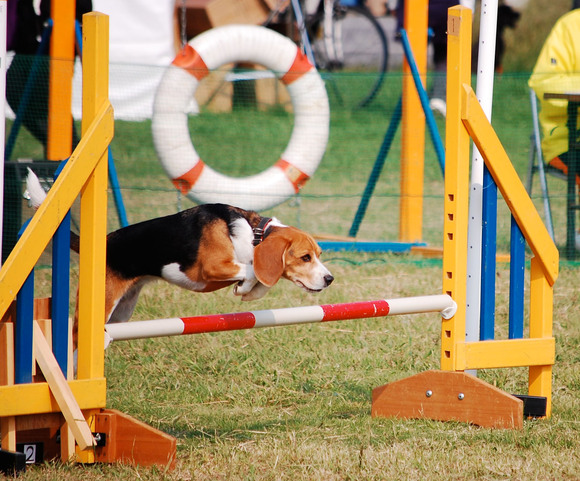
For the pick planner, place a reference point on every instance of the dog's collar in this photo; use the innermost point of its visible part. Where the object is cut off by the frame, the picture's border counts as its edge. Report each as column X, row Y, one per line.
column 261, row 230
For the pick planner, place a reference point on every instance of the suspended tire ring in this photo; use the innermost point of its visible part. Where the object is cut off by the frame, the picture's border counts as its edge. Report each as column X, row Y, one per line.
column 209, row 51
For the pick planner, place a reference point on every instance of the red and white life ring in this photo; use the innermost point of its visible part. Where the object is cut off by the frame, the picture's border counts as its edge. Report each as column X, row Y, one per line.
column 209, row 51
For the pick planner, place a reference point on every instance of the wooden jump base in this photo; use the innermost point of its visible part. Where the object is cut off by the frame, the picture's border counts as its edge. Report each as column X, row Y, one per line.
column 448, row 396
column 178, row 326
column 114, row 436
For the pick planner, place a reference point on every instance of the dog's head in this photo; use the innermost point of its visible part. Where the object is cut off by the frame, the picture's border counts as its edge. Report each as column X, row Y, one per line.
column 293, row 254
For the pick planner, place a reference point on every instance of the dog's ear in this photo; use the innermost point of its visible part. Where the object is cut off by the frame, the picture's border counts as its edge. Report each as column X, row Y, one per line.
column 269, row 259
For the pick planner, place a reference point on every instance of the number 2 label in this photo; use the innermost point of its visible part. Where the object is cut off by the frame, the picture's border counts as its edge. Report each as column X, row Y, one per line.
column 30, row 452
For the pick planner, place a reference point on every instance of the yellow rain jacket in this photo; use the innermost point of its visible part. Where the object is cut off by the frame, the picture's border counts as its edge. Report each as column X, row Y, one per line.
column 557, row 70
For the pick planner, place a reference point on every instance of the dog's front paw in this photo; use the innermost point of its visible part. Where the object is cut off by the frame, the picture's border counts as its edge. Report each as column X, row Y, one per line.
column 257, row 292
column 250, row 297
column 244, row 287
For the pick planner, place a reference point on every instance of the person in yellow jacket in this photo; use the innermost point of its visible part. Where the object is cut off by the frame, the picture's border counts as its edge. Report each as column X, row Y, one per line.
column 557, row 70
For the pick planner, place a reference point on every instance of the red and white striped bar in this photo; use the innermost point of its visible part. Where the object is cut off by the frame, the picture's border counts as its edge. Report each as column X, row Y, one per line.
column 178, row 326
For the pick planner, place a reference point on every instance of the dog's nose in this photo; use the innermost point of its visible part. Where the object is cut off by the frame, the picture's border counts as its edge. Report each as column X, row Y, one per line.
column 328, row 279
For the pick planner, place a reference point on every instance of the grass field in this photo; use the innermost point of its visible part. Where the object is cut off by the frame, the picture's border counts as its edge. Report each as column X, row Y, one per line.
column 294, row 403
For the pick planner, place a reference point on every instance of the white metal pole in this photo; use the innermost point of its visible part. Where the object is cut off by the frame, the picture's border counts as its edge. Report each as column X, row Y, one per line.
column 3, row 34
column 176, row 326
column 484, row 92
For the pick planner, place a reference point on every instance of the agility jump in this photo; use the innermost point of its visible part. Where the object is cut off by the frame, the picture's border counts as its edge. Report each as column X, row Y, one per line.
column 448, row 394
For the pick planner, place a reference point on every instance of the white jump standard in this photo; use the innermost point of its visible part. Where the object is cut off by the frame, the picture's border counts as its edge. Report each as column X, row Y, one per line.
column 178, row 326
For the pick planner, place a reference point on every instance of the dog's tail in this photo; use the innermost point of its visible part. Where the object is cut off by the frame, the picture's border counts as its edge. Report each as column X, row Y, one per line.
column 36, row 194
column 34, row 191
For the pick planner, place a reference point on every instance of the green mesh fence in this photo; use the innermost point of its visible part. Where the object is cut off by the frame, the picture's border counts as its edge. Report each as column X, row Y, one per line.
column 243, row 127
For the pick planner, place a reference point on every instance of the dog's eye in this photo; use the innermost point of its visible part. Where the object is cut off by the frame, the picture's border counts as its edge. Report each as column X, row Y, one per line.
column 306, row 258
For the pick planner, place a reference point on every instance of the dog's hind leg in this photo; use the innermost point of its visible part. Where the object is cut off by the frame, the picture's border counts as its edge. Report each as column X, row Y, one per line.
column 124, row 306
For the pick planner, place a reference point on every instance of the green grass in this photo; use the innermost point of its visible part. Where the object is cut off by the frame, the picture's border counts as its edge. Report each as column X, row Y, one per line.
column 294, row 403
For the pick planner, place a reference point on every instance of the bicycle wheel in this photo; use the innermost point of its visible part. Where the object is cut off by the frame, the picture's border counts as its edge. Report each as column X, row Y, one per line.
column 357, row 47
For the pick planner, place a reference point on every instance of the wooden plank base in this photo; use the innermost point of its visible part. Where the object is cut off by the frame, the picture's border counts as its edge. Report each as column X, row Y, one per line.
column 448, row 396
column 126, row 440
column 130, row 441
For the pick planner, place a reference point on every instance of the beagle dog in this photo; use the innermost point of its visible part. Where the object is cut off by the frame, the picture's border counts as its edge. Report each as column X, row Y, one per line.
column 206, row 248
column 203, row 249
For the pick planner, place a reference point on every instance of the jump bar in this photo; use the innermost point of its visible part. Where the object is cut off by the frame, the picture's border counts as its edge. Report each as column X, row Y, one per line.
column 178, row 326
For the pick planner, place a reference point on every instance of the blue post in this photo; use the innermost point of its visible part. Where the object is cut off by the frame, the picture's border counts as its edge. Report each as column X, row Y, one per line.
column 488, row 258
column 429, row 117
column 23, row 337
column 116, row 188
column 79, row 38
column 61, row 288
column 377, row 168
column 60, row 292
column 517, row 279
